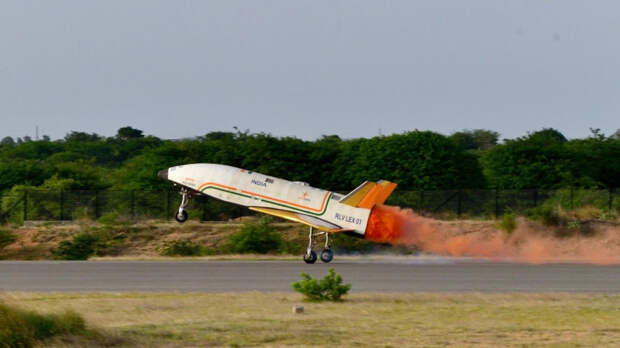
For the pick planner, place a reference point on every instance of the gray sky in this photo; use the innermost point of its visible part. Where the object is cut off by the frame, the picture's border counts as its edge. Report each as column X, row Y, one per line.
column 306, row 68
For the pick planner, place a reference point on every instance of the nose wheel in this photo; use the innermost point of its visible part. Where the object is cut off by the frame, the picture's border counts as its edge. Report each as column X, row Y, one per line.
column 327, row 255
column 181, row 215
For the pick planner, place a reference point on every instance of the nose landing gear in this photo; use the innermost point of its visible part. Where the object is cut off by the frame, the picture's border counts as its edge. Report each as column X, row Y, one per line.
column 327, row 255
column 181, row 215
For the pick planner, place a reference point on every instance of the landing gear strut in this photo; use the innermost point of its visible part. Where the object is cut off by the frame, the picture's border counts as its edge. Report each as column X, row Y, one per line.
column 310, row 255
column 181, row 215
column 326, row 254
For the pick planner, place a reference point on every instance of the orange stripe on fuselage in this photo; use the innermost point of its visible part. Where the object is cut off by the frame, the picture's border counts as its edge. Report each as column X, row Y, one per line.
column 290, row 203
column 216, row 184
column 267, row 197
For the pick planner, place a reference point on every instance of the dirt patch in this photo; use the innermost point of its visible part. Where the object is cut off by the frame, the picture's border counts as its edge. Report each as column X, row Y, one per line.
column 530, row 242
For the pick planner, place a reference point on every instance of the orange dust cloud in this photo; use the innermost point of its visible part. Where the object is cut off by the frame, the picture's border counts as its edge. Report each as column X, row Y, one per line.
column 388, row 224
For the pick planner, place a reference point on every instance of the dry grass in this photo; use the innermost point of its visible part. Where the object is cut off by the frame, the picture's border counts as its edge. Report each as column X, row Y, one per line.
column 140, row 240
column 375, row 320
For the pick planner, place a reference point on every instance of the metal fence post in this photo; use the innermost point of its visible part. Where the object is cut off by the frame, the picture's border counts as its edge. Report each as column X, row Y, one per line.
column 133, row 204
column 96, row 205
column 610, row 201
column 204, row 210
column 460, row 203
column 167, row 205
column 496, row 203
column 61, row 204
column 25, row 205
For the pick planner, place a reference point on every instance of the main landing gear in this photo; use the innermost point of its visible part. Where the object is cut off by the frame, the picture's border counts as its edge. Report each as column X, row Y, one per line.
column 326, row 254
column 181, row 215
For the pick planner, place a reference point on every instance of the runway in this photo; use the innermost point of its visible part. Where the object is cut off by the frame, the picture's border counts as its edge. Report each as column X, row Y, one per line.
column 365, row 276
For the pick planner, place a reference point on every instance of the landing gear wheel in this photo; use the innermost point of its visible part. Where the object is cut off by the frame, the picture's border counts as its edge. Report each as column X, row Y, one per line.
column 181, row 216
column 327, row 255
column 310, row 258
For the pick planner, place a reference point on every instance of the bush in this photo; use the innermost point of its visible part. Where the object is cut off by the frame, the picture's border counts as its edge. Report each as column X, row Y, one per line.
column 545, row 214
column 329, row 288
column 19, row 328
column 587, row 212
column 80, row 247
column 256, row 238
column 508, row 222
column 184, row 248
column 608, row 215
column 108, row 219
column 6, row 238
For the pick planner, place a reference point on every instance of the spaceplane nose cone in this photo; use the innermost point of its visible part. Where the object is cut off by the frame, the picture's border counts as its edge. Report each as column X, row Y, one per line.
column 163, row 174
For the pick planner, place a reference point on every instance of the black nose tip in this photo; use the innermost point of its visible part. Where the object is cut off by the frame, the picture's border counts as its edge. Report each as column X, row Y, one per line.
column 163, row 174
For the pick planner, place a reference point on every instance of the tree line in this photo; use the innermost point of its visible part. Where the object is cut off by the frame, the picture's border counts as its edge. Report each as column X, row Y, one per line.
column 416, row 160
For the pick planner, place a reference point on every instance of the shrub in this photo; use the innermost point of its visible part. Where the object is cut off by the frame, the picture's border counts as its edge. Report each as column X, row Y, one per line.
column 108, row 219
column 587, row 212
column 574, row 225
column 607, row 214
column 508, row 222
column 6, row 238
column 256, row 238
column 545, row 214
column 184, row 248
column 80, row 247
column 20, row 328
column 329, row 288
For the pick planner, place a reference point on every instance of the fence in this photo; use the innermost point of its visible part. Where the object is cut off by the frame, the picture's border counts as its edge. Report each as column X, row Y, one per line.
column 139, row 205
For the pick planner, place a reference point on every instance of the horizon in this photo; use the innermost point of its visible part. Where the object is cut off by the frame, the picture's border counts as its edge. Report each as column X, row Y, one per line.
column 249, row 132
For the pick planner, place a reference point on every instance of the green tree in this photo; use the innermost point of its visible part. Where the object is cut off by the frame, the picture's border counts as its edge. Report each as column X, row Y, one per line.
column 417, row 160
column 126, row 133
column 477, row 139
column 8, row 141
column 539, row 160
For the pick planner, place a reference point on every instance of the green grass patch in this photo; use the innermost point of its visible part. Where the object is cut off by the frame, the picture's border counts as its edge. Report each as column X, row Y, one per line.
column 21, row 328
column 256, row 319
column 6, row 238
column 184, row 248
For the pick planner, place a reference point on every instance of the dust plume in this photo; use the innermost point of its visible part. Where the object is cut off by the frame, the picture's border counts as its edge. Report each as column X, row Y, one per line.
column 388, row 224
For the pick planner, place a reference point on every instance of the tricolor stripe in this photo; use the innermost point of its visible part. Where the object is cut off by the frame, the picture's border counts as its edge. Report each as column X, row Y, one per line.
column 275, row 201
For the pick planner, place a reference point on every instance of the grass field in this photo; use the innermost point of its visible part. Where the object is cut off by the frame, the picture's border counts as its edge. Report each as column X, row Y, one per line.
column 363, row 320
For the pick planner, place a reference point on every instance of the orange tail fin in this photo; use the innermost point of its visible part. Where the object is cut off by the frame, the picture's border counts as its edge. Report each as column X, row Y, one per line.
column 369, row 194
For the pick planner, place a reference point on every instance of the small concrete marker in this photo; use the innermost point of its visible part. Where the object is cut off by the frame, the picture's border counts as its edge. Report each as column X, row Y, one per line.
column 298, row 309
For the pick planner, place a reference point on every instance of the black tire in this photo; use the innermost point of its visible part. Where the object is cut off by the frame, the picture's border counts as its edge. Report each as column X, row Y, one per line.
column 181, row 217
column 310, row 258
column 327, row 255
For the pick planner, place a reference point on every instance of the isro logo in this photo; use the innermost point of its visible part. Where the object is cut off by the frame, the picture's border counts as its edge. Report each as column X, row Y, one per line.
column 349, row 219
column 304, row 197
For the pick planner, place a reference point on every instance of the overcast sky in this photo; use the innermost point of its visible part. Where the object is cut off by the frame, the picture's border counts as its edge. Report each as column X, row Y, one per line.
column 306, row 68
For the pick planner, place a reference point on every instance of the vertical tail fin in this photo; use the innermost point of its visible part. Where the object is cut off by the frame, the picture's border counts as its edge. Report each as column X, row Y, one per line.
column 370, row 193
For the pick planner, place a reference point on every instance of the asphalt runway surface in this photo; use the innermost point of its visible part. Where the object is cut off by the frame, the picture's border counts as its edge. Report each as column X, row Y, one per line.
column 374, row 276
